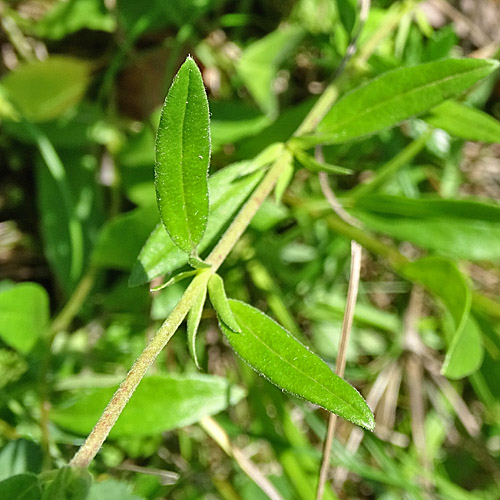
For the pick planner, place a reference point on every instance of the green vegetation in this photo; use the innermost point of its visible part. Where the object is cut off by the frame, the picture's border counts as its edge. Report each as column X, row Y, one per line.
column 196, row 286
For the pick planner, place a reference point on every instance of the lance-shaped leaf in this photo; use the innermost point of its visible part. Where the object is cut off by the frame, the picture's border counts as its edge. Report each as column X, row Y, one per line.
column 271, row 351
column 193, row 322
column 396, row 96
column 182, row 158
column 219, row 300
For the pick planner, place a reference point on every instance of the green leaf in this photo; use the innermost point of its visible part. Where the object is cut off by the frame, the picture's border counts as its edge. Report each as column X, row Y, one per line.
column 24, row 315
column 69, row 483
column 121, row 238
column 175, row 279
column 219, row 300
column 347, row 12
column 442, row 277
column 314, row 165
column 227, row 193
column 193, row 322
column 182, row 159
column 465, row 353
column 271, row 351
column 68, row 17
column 462, row 121
column 111, row 489
column 61, row 83
column 259, row 64
column 21, row 487
column 19, row 456
column 396, row 96
column 464, row 229
column 160, row 403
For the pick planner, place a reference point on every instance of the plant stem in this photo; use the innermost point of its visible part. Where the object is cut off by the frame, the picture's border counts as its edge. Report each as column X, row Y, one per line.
column 121, row 397
column 244, row 217
column 352, row 294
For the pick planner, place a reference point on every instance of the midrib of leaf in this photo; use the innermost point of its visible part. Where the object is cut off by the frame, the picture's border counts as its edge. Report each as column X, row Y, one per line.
column 302, row 372
column 397, row 97
column 183, row 180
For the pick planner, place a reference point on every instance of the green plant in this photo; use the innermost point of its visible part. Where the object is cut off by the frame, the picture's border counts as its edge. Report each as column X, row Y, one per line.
column 204, row 222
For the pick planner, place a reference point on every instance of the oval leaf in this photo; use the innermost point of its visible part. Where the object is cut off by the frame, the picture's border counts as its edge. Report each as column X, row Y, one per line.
column 193, row 322
column 271, row 351
column 396, row 96
column 221, row 305
column 172, row 402
column 182, row 158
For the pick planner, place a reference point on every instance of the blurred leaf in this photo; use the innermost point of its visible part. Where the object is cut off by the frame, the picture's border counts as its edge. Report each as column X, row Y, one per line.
column 111, row 490
column 24, row 315
column 79, row 173
column 397, row 95
column 347, row 12
column 121, row 238
column 73, row 15
column 465, row 353
column 160, row 256
column 260, row 61
column 231, row 121
column 61, row 82
column 182, row 159
column 272, row 352
column 314, row 165
column 160, row 403
column 154, row 14
column 69, row 483
column 467, row 123
column 219, row 301
column 21, row 487
column 19, row 456
column 458, row 228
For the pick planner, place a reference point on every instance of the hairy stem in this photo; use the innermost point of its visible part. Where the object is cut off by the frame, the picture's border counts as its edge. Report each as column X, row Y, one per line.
column 121, row 397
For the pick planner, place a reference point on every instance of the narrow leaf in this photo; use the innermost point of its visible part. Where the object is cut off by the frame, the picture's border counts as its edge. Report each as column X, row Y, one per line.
column 193, row 322
column 219, row 300
column 466, row 229
column 175, row 279
column 182, row 158
column 462, row 121
column 396, row 96
column 271, row 351
column 314, row 165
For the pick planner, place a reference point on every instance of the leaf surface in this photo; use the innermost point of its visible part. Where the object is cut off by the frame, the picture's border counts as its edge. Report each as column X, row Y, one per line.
column 397, row 95
column 271, row 351
column 160, row 403
column 182, row 159
column 466, row 229
column 61, row 83
column 21, row 487
column 462, row 121
column 24, row 315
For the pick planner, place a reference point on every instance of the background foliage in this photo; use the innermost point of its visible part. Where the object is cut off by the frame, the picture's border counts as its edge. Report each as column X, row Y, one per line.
column 82, row 82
